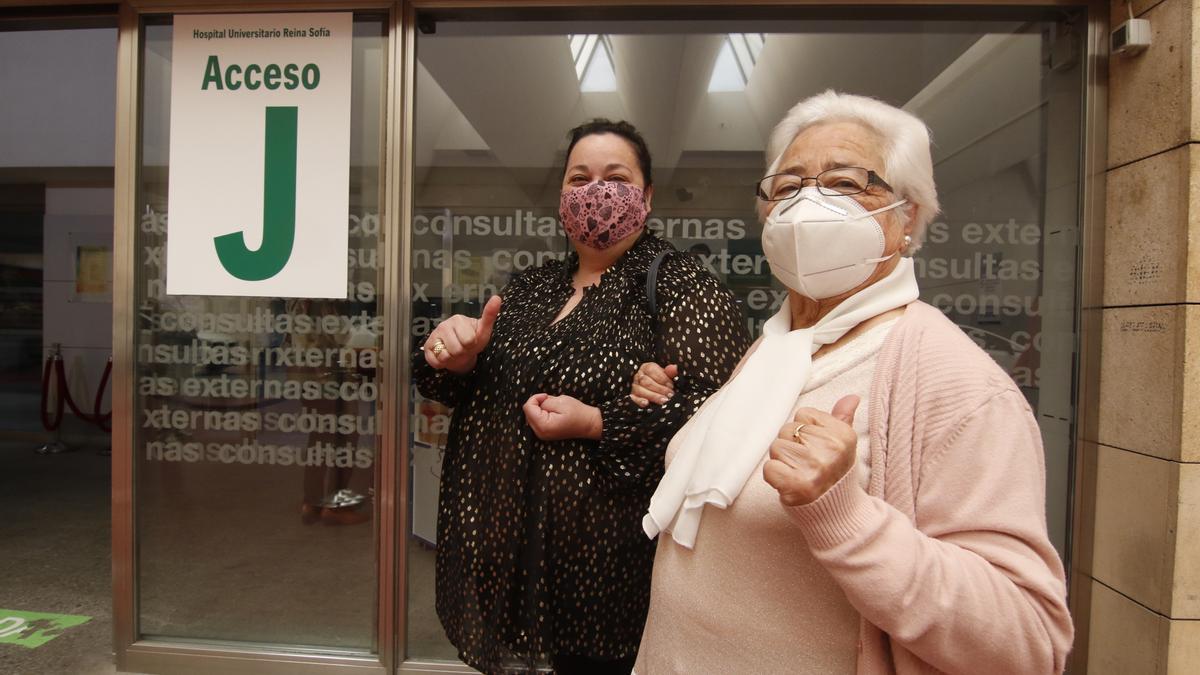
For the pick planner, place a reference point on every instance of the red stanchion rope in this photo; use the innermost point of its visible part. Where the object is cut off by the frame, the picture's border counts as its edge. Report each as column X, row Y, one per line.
column 63, row 395
column 103, row 420
column 50, row 426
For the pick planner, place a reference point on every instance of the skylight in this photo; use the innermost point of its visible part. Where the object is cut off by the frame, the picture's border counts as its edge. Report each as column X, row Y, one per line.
column 735, row 62
column 593, row 62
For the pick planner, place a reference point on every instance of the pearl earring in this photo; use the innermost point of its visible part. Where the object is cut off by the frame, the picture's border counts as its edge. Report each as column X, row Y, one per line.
column 907, row 241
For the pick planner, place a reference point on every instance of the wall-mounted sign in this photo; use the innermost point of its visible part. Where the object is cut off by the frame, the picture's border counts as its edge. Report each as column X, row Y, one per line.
column 93, row 273
column 260, row 155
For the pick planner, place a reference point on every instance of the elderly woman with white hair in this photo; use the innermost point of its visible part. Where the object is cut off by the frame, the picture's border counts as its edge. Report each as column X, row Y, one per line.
column 811, row 534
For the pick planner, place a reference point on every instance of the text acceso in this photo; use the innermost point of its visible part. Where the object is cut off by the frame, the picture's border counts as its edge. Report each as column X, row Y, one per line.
column 271, row 76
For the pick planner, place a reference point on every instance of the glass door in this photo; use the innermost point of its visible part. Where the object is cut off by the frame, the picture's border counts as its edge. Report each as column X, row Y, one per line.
column 257, row 417
column 495, row 96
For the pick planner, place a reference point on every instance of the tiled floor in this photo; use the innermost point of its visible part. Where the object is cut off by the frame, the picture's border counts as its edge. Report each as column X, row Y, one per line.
column 224, row 555
column 54, row 555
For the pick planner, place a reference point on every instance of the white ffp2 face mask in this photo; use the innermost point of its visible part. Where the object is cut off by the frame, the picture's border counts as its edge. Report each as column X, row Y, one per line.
column 821, row 246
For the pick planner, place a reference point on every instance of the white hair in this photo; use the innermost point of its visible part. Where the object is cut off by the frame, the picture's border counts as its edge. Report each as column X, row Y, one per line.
column 907, row 164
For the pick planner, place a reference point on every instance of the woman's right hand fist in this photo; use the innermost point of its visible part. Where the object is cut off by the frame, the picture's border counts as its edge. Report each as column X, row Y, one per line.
column 653, row 383
column 456, row 342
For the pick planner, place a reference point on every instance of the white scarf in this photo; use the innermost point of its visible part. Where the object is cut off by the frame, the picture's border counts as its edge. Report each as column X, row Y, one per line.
column 723, row 443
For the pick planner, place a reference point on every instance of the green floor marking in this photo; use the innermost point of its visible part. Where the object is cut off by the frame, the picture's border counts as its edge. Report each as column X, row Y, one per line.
column 34, row 629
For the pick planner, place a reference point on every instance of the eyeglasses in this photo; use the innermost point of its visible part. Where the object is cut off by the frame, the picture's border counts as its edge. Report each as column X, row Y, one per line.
column 848, row 180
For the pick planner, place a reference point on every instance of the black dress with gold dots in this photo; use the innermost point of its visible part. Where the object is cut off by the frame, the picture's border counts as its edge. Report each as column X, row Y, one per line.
column 540, row 546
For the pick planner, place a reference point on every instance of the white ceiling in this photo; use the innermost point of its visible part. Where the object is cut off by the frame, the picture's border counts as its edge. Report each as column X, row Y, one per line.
column 498, row 96
column 507, row 100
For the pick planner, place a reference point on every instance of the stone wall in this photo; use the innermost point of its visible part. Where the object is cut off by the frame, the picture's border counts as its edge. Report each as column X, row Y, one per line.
column 1145, row 561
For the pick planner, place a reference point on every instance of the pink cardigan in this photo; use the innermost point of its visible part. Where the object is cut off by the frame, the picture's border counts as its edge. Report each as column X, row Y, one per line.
column 945, row 555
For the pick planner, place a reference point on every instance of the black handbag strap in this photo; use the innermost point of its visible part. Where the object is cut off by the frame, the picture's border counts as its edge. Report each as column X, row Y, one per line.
column 652, row 284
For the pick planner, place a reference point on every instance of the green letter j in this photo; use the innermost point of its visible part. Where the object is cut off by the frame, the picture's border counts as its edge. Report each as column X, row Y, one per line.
column 279, row 206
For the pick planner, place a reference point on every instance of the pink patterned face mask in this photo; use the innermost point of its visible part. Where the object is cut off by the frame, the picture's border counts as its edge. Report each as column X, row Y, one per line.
column 603, row 213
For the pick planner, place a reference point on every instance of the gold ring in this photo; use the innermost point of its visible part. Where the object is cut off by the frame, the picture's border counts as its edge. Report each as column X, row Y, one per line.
column 796, row 432
column 438, row 346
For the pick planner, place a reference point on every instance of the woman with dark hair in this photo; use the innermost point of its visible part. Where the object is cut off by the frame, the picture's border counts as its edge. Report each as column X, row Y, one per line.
column 549, row 464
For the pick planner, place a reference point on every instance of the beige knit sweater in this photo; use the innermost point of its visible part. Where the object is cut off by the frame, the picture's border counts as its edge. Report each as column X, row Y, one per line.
column 945, row 555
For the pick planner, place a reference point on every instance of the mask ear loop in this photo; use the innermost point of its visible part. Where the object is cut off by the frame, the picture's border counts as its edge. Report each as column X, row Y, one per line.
column 893, row 254
column 566, row 237
column 907, row 239
column 882, row 209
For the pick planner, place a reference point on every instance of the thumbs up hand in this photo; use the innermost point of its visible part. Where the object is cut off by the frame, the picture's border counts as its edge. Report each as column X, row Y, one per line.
column 456, row 342
column 812, row 452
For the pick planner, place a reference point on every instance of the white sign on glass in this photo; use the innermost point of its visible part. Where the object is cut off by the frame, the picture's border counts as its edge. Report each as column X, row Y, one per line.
column 260, row 155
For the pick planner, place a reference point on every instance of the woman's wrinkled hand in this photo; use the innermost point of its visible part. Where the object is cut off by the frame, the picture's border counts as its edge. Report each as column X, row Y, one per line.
column 556, row 418
column 653, row 384
column 812, row 453
column 456, row 342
